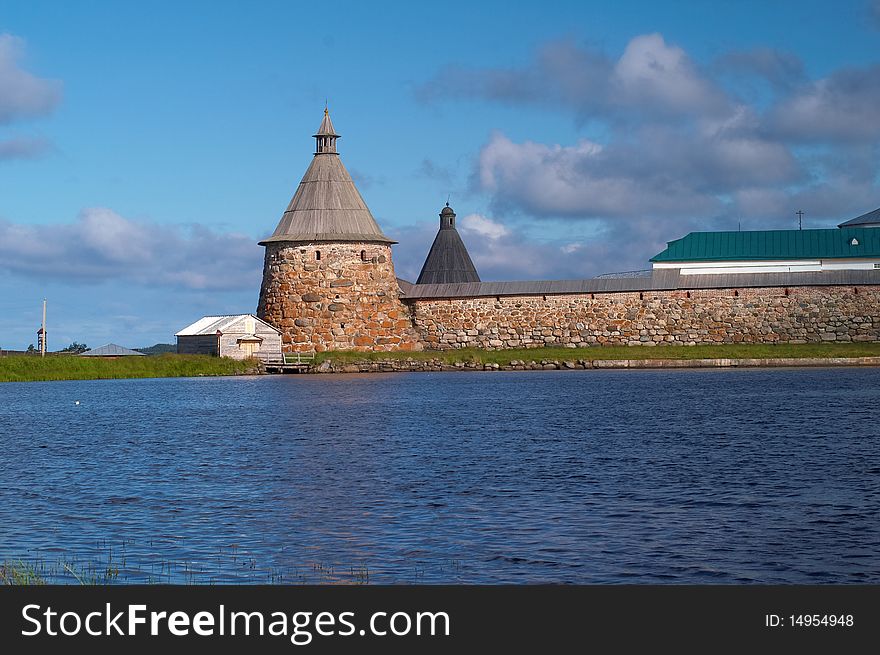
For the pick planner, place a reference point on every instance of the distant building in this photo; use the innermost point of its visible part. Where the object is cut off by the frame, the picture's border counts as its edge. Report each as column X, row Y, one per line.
column 111, row 350
column 871, row 219
column 239, row 336
column 773, row 251
column 448, row 260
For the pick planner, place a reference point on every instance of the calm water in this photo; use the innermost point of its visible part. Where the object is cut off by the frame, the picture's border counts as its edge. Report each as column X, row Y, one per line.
column 570, row 476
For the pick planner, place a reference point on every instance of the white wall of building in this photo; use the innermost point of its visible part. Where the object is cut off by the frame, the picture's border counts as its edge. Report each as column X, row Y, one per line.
column 792, row 266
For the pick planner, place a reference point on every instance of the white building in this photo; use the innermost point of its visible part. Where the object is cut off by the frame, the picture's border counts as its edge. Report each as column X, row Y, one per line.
column 240, row 336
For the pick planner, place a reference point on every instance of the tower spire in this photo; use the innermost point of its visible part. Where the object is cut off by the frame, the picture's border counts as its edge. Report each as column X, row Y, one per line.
column 326, row 136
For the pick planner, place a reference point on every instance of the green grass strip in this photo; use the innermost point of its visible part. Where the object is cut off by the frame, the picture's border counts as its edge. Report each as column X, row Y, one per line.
column 31, row 368
column 721, row 351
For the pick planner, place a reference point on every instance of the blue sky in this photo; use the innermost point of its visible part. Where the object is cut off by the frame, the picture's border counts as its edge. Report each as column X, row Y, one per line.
column 144, row 149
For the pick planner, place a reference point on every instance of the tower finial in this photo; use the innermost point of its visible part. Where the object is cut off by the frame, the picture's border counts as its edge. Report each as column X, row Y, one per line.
column 447, row 217
column 326, row 136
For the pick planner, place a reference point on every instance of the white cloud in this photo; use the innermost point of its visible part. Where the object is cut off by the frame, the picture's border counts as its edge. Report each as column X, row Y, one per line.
column 651, row 73
column 650, row 77
column 23, row 148
column 674, row 178
column 22, row 94
column 102, row 245
column 482, row 226
column 779, row 68
column 588, row 181
column 839, row 108
column 671, row 139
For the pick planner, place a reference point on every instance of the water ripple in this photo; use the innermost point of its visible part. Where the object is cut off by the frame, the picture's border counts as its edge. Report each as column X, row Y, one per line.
column 740, row 476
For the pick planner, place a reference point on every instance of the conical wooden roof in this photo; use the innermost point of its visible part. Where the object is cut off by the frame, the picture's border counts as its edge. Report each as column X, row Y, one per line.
column 448, row 261
column 327, row 206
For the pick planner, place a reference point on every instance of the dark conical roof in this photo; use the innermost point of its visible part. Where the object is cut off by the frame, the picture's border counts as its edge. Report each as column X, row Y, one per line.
column 448, row 260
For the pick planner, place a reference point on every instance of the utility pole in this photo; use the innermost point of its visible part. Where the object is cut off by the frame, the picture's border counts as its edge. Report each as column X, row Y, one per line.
column 800, row 216
column 43, row 341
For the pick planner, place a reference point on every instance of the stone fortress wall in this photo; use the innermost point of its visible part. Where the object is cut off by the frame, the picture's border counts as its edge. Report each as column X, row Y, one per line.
column 329, row 284
column 651, row 318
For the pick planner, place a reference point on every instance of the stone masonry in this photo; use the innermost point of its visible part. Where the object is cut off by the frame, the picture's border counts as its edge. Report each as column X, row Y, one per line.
column 652, row 318
column 334, row 296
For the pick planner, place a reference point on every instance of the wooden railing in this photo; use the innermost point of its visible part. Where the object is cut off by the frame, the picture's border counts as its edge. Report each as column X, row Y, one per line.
column 299, row 358
column 285, row 359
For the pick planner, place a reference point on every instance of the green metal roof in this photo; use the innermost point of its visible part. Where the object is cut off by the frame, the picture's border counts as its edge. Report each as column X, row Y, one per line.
column 772, row 244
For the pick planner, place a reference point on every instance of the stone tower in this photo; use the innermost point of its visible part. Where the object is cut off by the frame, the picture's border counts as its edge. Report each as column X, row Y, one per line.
column 328, row 279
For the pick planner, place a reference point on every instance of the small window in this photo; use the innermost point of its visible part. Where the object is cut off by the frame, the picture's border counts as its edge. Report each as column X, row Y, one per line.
column 318, row 255
column 363, row 255
column 854, row 242
column 876, row 264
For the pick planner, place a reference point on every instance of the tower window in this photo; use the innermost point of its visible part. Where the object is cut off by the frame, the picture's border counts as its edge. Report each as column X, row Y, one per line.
column 318, row 254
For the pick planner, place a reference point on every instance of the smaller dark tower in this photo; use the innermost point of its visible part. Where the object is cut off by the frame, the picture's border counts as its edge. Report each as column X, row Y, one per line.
column 448, row 260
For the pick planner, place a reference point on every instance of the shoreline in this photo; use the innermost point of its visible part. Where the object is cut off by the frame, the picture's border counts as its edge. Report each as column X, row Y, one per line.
column 60, row 368
column 437, row 365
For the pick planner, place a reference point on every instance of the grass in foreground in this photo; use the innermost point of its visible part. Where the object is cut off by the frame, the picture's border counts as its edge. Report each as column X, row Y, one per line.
column 19, row 573
column 721, row 351
column 30, row 368
column 228, row 568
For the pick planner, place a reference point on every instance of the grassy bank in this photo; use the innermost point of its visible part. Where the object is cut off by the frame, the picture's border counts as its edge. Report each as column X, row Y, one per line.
column 721, row 351
column 29, row 368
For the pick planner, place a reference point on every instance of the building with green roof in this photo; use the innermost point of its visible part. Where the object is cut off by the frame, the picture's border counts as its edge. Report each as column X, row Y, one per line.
column 773, row 251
